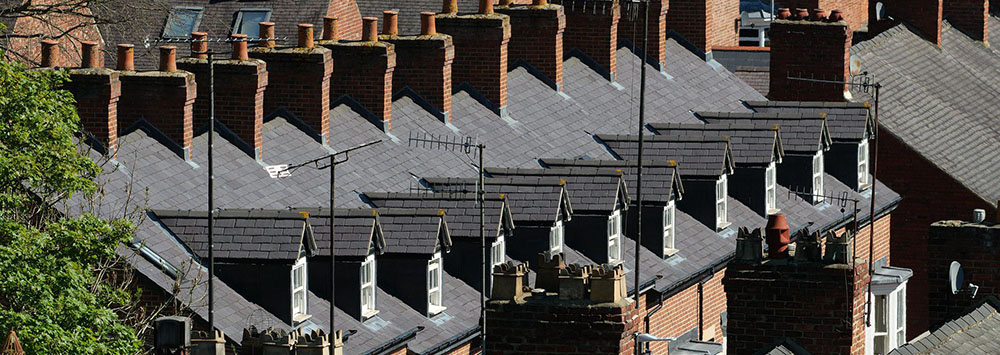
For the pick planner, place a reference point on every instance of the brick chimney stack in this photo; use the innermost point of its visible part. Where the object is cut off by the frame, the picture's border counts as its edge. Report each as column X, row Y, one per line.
column 299, row 81
column 855, row 11
column 481, row 41
column 537, row 38
column 705, row 23
column 657, row 53
column 924, row 15
column 239, row 92
column 804, row 48
column 363, row 73
column 96, row 91
column 425, row 66
column 164, row 99
column 972, row 17
column 592, row 28
column 976, row 246
column 819, row 304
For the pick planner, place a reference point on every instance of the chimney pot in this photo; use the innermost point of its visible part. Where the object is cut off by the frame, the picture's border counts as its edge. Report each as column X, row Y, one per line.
column 539, row 2
column 801, row 14
column 267, row 31
column 330, row 28
column 505, row 3
column 485, row 7
column 88, row 54
column 305, row 35
column 784, row 13
column 126, row 57
column 198, row 49
column 389, row 26
column 369, row 29
column 168, row 58
column 450, row 7
column 427, row 26
column 777, row 236
column 818, row 15
column 50, row 53
column 239, row 46
column 836, row 16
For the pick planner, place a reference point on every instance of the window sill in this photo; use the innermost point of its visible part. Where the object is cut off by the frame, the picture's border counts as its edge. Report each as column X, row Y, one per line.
column 368, row 314
column 669, row 252
column 434, row 310
column 773, row 211
column 299, row 318
column 722, row 226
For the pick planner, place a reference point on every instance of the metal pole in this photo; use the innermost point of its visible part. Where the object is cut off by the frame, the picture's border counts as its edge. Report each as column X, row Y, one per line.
column 211, row 195
column 638, row 176
column 333, row 277
column 482, row 240
column 871, row 216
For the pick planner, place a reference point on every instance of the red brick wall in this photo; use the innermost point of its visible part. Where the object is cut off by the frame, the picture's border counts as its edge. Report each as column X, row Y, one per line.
column 239, row 96
column 705, row 23
column 480, row 52
column 164, row 99
column 932, row 197
column 721, row 17
column 855, row 11
column 348, row 18
column 657, row 52
column 97, row 92
column 977, row 248
column 537, row 38
column 592, row 28
column 806, row 49
column 924, row 15
column 881, row 241
column 363, row 70
column 564, row 327
column 969, row 16
column 52, row 25
column 424, row 65
column 400, row 351
column 299, row 81
column 465, row 349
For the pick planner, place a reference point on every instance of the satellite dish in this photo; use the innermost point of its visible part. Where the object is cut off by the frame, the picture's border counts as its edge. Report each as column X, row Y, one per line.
column 879, row 11
column 956, row 277
column 855, row 64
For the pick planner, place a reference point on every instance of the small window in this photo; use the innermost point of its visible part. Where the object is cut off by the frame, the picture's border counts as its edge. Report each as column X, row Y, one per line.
column 668, row 229
column 881, row 324
column 556, row 238
column 299, row 305
column 248, row 21
column 900, row 326
column 499, row 251
column 368, row 285
column 721, row 202
column 770, row 178
column 817, row 178
column 863, row 165
column 182, row 21
column 615, row 237
column 434, row 285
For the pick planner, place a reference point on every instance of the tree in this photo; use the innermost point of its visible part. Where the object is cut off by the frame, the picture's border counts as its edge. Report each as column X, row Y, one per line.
column 61, row 283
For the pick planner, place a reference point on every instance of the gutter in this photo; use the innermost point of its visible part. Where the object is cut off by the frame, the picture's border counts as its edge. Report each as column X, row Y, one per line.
column 454, row 342
column 395, row 343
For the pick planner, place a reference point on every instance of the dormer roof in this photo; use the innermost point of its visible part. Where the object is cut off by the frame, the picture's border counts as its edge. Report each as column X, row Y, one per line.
column 357, row 230
column 593, row 189
column 461, row 210
column 704, row 157
column 415, row 230
column 752, row 143
column 661, row 183
column 848, row 121
column 801, row 133
column 243, row 234
column 532, row 198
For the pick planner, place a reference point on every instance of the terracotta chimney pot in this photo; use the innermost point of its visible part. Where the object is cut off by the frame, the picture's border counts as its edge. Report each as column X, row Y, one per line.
column 485, row 7
column 777, row 236
column 198, row 49
column 389, row 23
column 836, row 16
column 818, row 15
column 168, row 58
column 330, row 28
column 784, row 13
column 50, row 53
column 239, row 46
column 450, row 6
column 539, row 2
column 801, row 14
column 369, row 29
column 267, row 31
column 305, row 35
column 88, row 54
column 126, row 57
column 427, row 26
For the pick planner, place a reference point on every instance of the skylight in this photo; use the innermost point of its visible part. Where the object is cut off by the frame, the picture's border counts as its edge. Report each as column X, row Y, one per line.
column 182, row 21
column 248, row 21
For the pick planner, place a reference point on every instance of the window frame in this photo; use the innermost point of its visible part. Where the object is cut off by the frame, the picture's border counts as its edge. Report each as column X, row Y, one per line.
column 863, row 166
column 818, row 172
column 722, row 202
column 435, row 267
column 888, row 329
column 669, row 229
column 300, row 267
column 615, row 237
column 238, row 22
column 556, row 238
column 771, row 189
column 368, row 308
column 194, row 25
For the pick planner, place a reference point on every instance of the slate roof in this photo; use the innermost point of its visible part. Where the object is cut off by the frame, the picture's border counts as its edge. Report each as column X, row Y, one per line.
column 356, row 229
column 784, row 346
column 593, row 190
column 976, row 332
column 948, row 114
column 752, row 143
column 414, row 231
column 696, row 156
column 461, row 209
column 662, row 181
column 532, row 199
column 803, row 133
column 243, row 234
column 847, row 121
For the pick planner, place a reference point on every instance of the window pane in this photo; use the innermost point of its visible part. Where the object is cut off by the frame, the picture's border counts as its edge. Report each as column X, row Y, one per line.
column 250, row 22
column 880, row 347
column 880, row 316
column 181, row 22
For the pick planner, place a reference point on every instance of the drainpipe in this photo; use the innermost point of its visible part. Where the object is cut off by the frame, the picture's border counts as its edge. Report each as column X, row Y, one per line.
column 650, row 314
column 701, row 306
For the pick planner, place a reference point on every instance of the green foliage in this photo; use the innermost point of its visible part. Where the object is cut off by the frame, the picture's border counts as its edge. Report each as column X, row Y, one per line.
column 57, row 285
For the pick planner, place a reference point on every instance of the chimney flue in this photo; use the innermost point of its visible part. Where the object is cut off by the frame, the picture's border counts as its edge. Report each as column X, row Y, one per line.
column 50, row 53
column 389, row 23
column 199, row 48
column 427, row 26
column 239, row 46
column 267, row 31
column 305, row 35
column 450, row 7
column 485, row 7
column 819, row 15
column 330, row 28
column 126, row 57
column 836, row 16
column 369, row 29
column 88, row 54
column 168, row 58
column 777, row 236
column 801, row 14
column 784, row 13
column 539, row 2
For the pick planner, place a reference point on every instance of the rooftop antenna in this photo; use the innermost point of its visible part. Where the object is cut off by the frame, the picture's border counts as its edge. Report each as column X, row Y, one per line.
column 469, row 146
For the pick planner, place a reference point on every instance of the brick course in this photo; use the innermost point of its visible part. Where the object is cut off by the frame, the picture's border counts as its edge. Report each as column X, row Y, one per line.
column 809, row 49
column 425, row 65
column 705, row 23
column 164, row 99
column 97, row 91
column 553, row 326
column 592, row 28
column 299, row 81
column 481, row 45
column 363, row 71
column 537, row 39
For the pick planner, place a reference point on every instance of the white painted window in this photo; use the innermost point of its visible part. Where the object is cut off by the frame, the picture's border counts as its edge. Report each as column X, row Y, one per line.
column 721, row 202
column 770, row 189
column 615, row 237
column 863, row 164
column 888, row 330
column 368, row 285
column 434, row 285
column 556, row 238
column 299, row 304
column 499, row 251
column 668, row 229
column 817, row 177
column 899, row 327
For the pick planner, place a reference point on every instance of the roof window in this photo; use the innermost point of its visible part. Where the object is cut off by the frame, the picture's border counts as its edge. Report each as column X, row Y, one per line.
column 182, row 21
column 248, row 21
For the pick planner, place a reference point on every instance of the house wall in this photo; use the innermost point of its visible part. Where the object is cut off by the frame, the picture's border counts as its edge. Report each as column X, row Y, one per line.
column 705, row 23
column 795, row 173
column 527, row 242
column 53, row 25
column 929, row 195
column 466, row 259
column 977, row 248
column 405, row 277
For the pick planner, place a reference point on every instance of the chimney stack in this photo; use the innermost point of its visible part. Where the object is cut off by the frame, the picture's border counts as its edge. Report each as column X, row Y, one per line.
column 126, row 57
column 592, row 29
column 855, row 11
column 299, row 82
column 657, row 53
column 425, row 64
column 50, row 53
column 537, row 39
column 364, row 74
column 239, row 94
column 706, row 23
column 924, row 15
column 330, row 28
column 89, row 55
column 812, row 50
column 972, row 17
column 267, row 31
column 480, row 52
column 96, row 91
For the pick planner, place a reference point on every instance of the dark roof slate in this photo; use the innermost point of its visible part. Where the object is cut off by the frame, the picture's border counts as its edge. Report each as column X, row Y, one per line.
column 976, row 332
column 592, row 190
column 461, row 210
column 414, row 231
column 695, row 156
column 847, row 121
column 243, row 234
column 356, row 228
column 752, row 143
column 662, row 184
column 532, row 199
column 803, row 133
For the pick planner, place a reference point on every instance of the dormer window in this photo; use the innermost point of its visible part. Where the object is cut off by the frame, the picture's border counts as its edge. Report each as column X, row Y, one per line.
column 770, row 191
column 615, row 237
column 299, row 287
column 721, row 203
column 863, row 179
column 368, row 286
column 499, row 251
column 817, row 177
column 556, row 238
column 434, row 305
column 669, row 247
column 248, row 21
